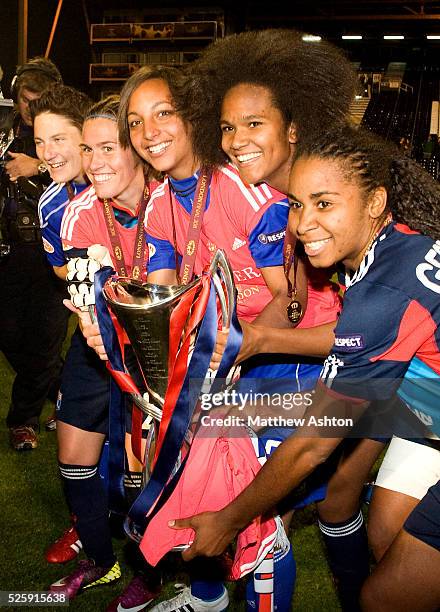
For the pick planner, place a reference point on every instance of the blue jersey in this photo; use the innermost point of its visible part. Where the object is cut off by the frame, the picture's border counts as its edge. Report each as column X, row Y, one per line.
column 50, row 212
column 387, row 338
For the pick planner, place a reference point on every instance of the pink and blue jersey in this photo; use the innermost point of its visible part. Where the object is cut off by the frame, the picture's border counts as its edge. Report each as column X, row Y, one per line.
column 387, row 338
column 247, row 222
column 50, row 212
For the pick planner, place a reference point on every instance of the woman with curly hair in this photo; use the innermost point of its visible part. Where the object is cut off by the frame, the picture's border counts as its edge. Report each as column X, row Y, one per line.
column 311, row 85
column 267, row 93
column 351, row 196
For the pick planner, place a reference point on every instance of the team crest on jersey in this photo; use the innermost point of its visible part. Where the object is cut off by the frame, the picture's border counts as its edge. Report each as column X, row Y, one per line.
column 47, row 246
column 271, row 238
column 330, row 369
column 428, row 272
column 151, row 249
column 349, row 343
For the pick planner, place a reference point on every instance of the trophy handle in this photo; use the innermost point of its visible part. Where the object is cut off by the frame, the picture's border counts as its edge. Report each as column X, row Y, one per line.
column 146, row 407
column 223, row 279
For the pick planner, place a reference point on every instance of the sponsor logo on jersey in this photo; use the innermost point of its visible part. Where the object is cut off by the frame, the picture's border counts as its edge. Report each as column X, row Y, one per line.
column 271, row 238
column 151, row 249
column 330, row 369
column 245, row 274
column 238, row 243
column 67, row 247
column 246, row 291
column 47, row 246
column 348, row 343
column 428, row 272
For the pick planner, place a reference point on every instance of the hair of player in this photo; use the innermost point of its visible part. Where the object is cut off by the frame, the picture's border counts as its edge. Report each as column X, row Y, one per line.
column 312, row 84
column 107, row 108
column 35, row 75
column 62, row 100
column 370, row 161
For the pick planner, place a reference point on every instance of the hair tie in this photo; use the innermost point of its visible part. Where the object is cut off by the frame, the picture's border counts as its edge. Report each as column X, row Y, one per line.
column 101, row 116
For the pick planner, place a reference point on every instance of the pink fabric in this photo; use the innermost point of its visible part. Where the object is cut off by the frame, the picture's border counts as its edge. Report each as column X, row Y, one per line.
column 323, row 302
column 226, row 225
column 217, row 470
column 84, row 224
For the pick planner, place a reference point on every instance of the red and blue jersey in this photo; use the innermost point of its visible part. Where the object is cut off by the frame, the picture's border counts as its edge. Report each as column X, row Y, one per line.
column 51, row 208
column 387, row 338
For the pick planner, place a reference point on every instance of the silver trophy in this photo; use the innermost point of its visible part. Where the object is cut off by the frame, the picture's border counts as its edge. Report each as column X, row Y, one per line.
column 144, row 311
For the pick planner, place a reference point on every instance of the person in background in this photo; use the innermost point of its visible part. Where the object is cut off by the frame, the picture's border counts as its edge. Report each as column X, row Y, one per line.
column 31, row 293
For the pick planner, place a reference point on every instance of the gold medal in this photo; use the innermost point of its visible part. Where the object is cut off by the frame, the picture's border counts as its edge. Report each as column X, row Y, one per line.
column 294, row 312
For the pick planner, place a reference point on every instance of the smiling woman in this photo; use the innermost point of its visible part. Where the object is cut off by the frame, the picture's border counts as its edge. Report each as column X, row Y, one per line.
column 59, row 147
column 330, row 215
column 58, row 117
column 343, row 189
column 115, row 172
column 255, row 135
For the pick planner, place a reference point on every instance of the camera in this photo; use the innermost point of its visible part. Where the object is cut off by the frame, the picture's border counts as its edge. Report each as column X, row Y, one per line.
column 6, row 138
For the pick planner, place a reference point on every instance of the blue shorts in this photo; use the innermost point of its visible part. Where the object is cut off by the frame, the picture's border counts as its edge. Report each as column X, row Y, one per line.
column 85, row 388
column 424, row 521
column 384, row 419
column 279, row 374
column 84, row 396
column 313, row 488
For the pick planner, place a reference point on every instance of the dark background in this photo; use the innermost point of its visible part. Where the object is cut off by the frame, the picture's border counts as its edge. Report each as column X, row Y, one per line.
column 72, row 53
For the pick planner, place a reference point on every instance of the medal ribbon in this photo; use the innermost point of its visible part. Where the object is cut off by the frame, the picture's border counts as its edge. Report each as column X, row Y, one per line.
column 186, row 272
column 294, row 309
column 140, row 252
column 288, row 257
column 114, row 343
column 121, row 382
